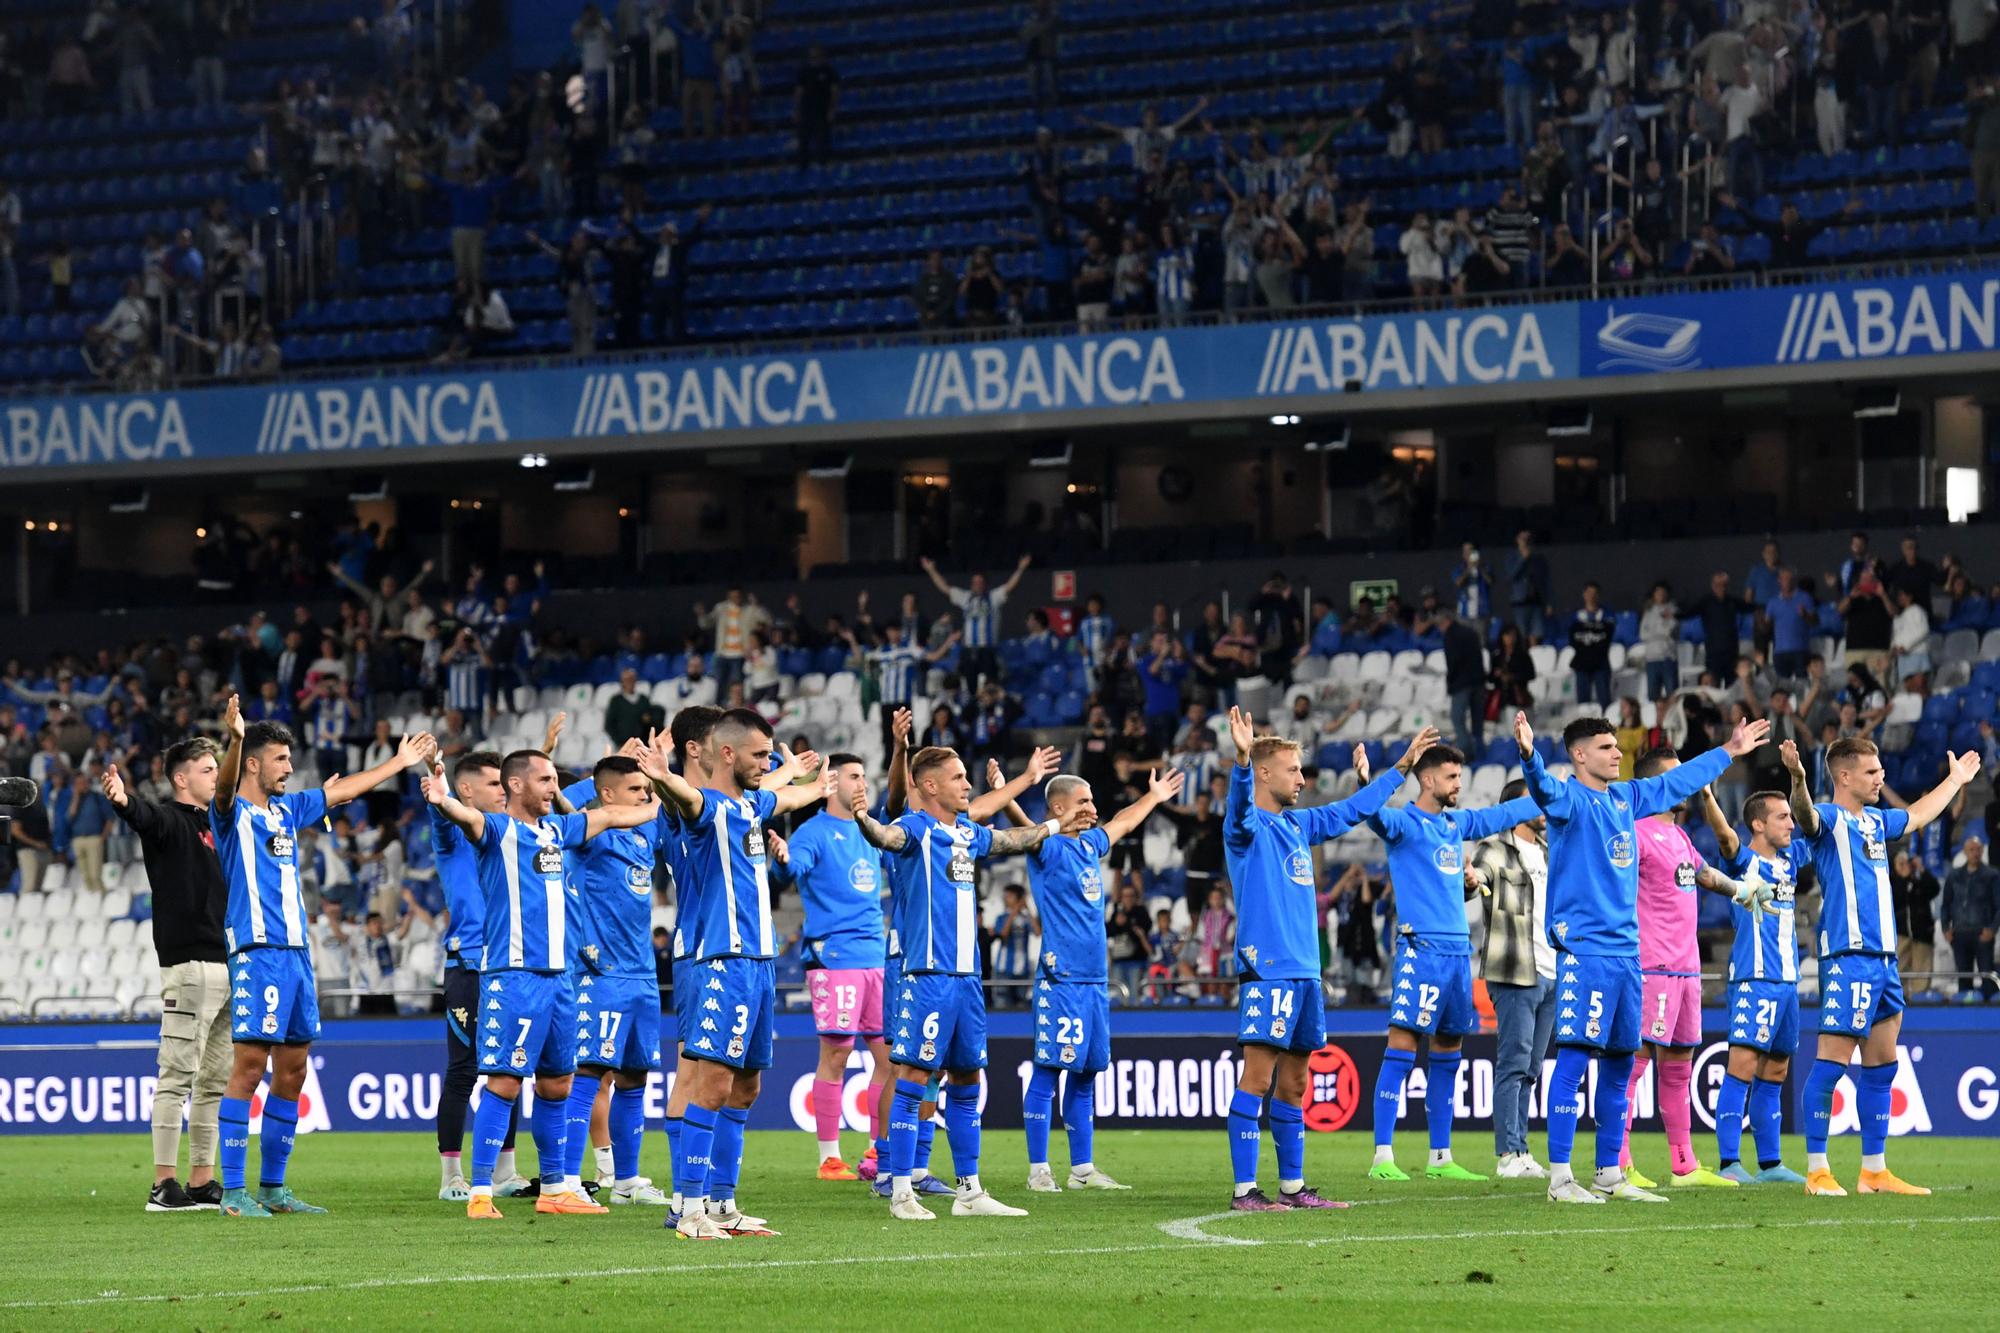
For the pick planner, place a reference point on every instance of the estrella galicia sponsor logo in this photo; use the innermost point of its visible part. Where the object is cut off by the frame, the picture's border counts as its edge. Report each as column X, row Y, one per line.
column 1031, row 376
column 723, row 395
column 396, row 416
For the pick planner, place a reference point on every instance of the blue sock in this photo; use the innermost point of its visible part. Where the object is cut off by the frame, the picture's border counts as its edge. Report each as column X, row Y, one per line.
column 1037, row 1104
column 232, row 1119
column 1729, row 1118
column 1080, row 1117
column 1614, row 1076
column 674, row 1151
column 1871, row 1100
column 550, row 1125
column 961, row 1122
column 1767, row 1122
column 1396, row 1066
column 1441, row 1097
column 903, row 1131
column 1288, row 1136
column 1565, row 1108
column 628, row 1129
column 1246, row 1137
column 697, row 1138
column 926, row 1131
column 281, row 1131
column 1818, row 1102
column 576, row 1114
column 489, row 1132
column 725, row 1154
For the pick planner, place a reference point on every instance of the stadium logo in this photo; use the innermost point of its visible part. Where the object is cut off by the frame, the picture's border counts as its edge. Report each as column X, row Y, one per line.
column 1116, row 372
column 1405, row 354
column 1333, row 1089
column 451, row 412
column 1874, row 321
column 1648, row 342
column 116, row 430
column 717, row 397
column 1907, row 1112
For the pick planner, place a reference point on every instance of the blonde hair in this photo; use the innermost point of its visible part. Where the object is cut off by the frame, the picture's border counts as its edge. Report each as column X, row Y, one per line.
column 1264, row 747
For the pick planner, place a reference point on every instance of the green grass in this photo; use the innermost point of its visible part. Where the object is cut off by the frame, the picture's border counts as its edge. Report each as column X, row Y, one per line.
column 81, row 1253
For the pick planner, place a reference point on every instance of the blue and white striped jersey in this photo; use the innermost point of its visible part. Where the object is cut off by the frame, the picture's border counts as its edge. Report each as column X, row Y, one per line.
column 1851, row 859
column 982, row 615
column 523, row 881
column 258, row 848
column 937, row 908
column 725, row 857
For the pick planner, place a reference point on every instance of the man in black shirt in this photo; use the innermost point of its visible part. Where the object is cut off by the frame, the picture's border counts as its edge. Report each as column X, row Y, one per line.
column 1913, row 574
column 1198, row 833
column 1717, row 613
column 190, row 898
column 1465, row 681
column 1869, row 617
column 1791, row 235
column 813, row 104
column 1590, row 649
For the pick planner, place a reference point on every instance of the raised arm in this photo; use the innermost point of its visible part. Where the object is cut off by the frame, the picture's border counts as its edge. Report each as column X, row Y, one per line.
column 457, row 811
column 231, row 768
column 1020, row 568
column 899, row 761
column 1012, row 841
column 930, row 568
column 674, row 789
column 138, row 812
column 885, row 837
column 1161, row 786
column 1803, row 812
column 996, row 778
column 1044, row 761
column 601, row 817
column 1960, row 770
column 1726, row 839
column 802, row 794
column 800, row 765
column 414, row 750
column 1649, row 796
column 1477, row 824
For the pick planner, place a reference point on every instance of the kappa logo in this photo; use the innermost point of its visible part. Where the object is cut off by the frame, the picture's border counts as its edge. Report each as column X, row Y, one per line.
column 711, row 1005
column 1408, row 969
column 241, row 994
column 704, row 1044
column 714, row 984
column 492, row 1043
column 708, row 1025
column 1400, row 1016
column 492, row 1005
column 492, row 1025
column 243, row 1011
column 495, row 987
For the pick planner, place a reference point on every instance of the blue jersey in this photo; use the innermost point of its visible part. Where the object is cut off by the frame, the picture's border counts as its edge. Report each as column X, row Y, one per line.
column 1066, row 876
column 458, row 873
column 523, row 878
column 840, row 882
column 938, row 917
column 725, row 855
column 579, row 927
column 1767, row 947
column 1850, row 857
column 618, row 896
column 1594, row 850
column 1271, row 864
column 258, row 849
column 1427, row 863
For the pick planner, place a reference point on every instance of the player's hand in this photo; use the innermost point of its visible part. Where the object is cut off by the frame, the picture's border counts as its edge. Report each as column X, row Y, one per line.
column 1047, row 759
column 114, row 786
column 775, row 847
column 631, row 749
column 1524, row 734
column 1362, row 770
column 232, row 717
column 901, row 725
column 1749, row 735
column 1789, row 752
column 652, row 766
column 1423, row 741
column 1964, row 767
column 1164, row 784
column 415, row 751
column 1241, row 732
column 554, row 733
column 804, row 763
column 433, row 786
column 996, row 778
column 1475, row 879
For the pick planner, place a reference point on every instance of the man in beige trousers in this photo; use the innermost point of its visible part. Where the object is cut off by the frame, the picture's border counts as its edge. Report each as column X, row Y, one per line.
column 189, row 900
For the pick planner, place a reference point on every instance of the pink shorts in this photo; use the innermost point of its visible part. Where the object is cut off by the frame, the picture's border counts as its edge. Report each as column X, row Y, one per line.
column 1672, row 1012
column 847, row 1001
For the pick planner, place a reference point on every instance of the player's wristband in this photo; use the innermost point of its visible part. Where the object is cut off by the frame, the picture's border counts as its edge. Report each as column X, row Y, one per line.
column 1054, row 826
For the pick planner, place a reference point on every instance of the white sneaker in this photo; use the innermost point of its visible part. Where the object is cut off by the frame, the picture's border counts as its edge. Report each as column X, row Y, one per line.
column 1572, row 1191
column 643, row 1192
column 1612, row 1184
column 1533, row 1169
column 905, row 1208
column 700, row 1226
column 510, row 1188
column 455, row 1190
column 1041, row 1180
column 982, row 1204
column 739, row 1223
column 1096, row 1180
column 1508, row 1167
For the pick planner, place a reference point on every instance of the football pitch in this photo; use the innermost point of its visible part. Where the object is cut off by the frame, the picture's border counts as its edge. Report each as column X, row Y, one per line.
column 81, row 1252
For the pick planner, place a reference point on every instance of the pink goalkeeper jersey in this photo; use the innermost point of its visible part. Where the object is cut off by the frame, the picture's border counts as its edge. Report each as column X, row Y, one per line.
column 1667, row 908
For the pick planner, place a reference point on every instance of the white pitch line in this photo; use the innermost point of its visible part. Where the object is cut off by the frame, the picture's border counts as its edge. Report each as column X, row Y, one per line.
column 1198, row 1238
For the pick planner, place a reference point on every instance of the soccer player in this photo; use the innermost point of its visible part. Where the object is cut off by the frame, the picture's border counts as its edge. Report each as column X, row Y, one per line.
column 1763, row 986
column 940, row 1020
column 1861, row 994
column 1433, row 962
column 733, row 948
column 476, row 780
column 275, row 1009
column 1670, row 870
column 840, row 882
column 1593, row 922
column 1072, row 999
column 528, row 1015
column 1281, row 1013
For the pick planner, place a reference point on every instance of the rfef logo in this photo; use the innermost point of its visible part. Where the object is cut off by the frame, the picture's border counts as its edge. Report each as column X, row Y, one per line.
column 1333, row 1089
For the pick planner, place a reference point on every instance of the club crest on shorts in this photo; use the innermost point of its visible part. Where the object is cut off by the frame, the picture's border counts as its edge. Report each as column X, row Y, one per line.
column 1278, row 1028
column 519, row 1058
column 736, row 1048
column 608, row 1049
column 927, row 1051
column 270, row 1024
column 1593, row 1029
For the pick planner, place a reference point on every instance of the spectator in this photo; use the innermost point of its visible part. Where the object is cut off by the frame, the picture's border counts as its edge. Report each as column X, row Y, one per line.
column 1913, row 573
column 207, row 37
column 1659, row 636
column 1528, row 597
column 1173, row 276
column 120, row 338
column 1325, row 270
column 1094, row 270
column 1511, row 228
column 1357, row 248
column 89, row 813
column 1913, row 891
column 1909, row 641
column 695, row 37
column 1014, row 954
column 470, row 196
column 1567, row 265
column 1164, row 963
column 667, row 277
column 1484, row 270
column 1793, row 619
column 1513, row 669
column 70, row 83
column 1126, row 934
column 488, row 321
column 1791, row 236
column 935, row 293
column 1465, row 682
column 1869, row 616
column 1149, row 136
column 1041, row 47
column 1742, row 103
column 1880, row 63
column 1590, row 648
column 1278, row 257
column 1982, row 140
column 1215, row 939
column 1518, row 965
column 1971, row 911
column 982, row 290
column 630, row 712
column 1518, row 89
column 373, row 963
column 1717, row 613
column 1419, row 247
column 815, row 103
column 576, row 266
column 1709, row 255
column 1160, row 673
column 980, row 609
column 135, row 44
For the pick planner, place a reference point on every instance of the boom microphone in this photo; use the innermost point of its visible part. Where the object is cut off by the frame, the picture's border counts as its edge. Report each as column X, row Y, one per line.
column 18, row 791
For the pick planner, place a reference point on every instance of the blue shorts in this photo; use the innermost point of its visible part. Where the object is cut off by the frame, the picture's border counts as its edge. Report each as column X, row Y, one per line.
column 1764, row 1015
column 1433, row 992
column 618, row 1022
column 733, row 1006
column 1598, row 999
column 528, row 1023
column 940, row 1022
column 686, row 992
column 1287, row 1015
column 272, row 999
column 892, row 981
column 1857, row 991
column 1072, row 1025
